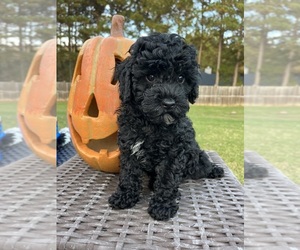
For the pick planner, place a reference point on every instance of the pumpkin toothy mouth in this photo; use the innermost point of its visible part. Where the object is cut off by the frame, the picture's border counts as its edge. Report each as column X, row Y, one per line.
column 108, row 143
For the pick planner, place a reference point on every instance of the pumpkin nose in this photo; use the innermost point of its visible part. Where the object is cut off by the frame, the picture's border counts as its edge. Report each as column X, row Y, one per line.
column 168, row 103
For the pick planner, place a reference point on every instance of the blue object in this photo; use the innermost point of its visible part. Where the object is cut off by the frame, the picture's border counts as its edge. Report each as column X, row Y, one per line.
column 57, row 132
column 2, row 134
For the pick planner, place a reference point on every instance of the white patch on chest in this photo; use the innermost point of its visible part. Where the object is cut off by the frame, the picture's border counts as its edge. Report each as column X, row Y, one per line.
column 136, row 149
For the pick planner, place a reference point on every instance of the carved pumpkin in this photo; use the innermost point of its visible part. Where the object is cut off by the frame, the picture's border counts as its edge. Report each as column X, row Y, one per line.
column 94, row 98
column 36, row 106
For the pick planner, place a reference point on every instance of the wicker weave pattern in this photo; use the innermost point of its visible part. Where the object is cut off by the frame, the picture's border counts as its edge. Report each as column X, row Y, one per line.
column 27, row 205
column 210, row 214
column 272, row 209
column 14, row 153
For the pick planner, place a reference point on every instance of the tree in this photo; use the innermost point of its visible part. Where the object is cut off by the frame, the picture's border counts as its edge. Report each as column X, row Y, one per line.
column 237, row 39
column 263, row 19
column 25, row 25
column 223, row 19
column 201, row 24
column 290, row 37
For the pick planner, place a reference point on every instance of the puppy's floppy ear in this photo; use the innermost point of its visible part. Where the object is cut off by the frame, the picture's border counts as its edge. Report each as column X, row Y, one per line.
column 193, row 94
column 123, row 75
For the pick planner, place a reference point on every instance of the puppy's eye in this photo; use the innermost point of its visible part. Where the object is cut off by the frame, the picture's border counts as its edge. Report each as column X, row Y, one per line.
column 150, row 78
column 180, row 79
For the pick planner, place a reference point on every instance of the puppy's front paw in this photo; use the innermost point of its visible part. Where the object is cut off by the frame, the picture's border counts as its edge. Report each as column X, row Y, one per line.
column 216, row 172
column 162, row 211
column 122, row 200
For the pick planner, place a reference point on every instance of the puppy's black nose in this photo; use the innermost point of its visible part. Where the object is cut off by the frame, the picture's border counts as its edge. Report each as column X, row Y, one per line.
column 168, row 102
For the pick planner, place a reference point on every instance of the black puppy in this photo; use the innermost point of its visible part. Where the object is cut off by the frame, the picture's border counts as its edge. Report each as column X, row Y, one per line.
column 157, row 82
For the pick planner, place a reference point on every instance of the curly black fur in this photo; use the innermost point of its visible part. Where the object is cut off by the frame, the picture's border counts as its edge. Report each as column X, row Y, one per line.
column 157, row 81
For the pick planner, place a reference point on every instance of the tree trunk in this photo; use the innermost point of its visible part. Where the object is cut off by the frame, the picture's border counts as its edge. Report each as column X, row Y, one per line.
column 236, row 69
column 259, row 60
column 236, row 73
column 287, row 71
column 200, row 52
column 219, row 60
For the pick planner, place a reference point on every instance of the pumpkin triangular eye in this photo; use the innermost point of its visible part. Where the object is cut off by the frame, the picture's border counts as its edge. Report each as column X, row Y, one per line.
column 92, row 107
column 117, row 62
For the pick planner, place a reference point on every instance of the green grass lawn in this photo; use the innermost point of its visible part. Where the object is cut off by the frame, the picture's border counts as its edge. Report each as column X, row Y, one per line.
column 8, row 113
column 274, row 133
column 221, row 129
column 61, row 112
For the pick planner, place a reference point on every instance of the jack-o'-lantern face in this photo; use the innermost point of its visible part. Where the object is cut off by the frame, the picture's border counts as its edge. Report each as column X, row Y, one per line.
column 36, row 106
column 94, row 99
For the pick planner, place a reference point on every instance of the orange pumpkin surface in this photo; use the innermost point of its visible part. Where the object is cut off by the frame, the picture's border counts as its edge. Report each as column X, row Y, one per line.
column 36, row 106
column 94, row 99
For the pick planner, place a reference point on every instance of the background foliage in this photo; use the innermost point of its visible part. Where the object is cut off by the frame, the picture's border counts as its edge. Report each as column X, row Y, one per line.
column 272, row 45
column 213, row 27
column 24, row 26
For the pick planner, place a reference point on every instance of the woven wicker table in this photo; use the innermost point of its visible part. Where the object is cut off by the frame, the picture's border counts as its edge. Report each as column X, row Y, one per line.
column 272, row 209
column 28, row 205
column 210, row 214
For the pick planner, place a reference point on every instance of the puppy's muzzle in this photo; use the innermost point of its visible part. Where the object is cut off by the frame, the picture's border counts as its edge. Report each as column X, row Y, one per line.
column 164, row 104
column 168, row 103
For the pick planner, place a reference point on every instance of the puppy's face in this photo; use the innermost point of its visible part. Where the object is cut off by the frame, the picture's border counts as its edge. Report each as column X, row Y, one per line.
column 160, row 77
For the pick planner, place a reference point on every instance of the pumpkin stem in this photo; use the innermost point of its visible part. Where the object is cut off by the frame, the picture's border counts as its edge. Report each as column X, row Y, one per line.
column 117, row 25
